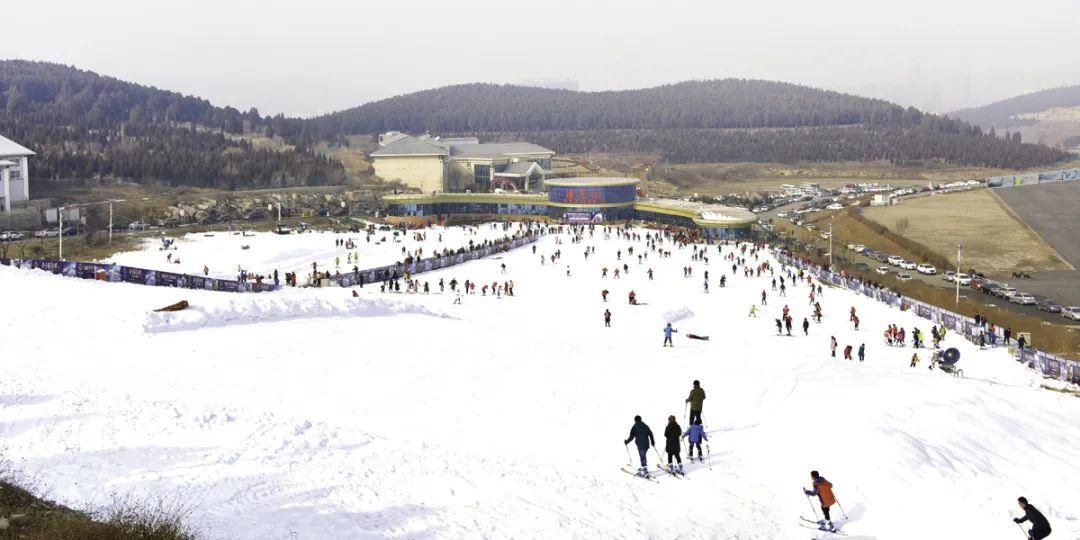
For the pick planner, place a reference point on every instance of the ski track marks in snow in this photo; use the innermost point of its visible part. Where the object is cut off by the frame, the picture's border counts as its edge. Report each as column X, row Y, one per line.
column 312, row 414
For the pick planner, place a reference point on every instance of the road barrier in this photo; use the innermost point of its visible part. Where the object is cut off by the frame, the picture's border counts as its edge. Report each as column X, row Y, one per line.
column 1049, row 364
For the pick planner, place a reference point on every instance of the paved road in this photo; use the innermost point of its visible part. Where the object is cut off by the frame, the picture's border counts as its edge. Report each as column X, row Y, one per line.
column 1052, row 211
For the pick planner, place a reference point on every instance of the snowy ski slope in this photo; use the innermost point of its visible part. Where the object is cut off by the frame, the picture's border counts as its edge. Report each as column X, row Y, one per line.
column 312, row 414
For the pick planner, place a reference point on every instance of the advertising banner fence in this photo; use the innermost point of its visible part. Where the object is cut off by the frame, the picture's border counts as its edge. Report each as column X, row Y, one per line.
column 1049, row 364
column 142, row 276
column 398, row 270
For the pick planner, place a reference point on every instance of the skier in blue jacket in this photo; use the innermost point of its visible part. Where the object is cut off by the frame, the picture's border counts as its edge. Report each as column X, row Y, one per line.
column 667, row 335
column 695, row 434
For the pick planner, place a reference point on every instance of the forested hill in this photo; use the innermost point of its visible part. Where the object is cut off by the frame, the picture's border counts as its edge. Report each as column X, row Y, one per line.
column 719, row 120
column 84, row 125
column 1001, row 113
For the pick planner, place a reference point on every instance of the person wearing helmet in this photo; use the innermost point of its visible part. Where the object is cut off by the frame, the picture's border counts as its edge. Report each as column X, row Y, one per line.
column 673, row 446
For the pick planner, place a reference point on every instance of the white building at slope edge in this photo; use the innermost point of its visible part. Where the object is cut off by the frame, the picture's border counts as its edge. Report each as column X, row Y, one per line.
column 14, row 173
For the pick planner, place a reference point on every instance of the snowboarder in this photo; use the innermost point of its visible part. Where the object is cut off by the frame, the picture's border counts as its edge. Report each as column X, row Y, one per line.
column 607, row 318
column 1040, row 527
column 673, row 445
column 667, row 335
column 643, row 439
column 696, row 399
column 695, row 434
column 823, row 489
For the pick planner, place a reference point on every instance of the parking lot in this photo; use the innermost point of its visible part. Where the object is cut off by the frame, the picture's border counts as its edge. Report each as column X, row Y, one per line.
column 1060, row 286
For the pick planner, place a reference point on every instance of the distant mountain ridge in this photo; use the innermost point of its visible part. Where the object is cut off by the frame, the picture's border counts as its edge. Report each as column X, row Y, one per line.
column 84, row 125
column 716, row 120
column 1002, row 113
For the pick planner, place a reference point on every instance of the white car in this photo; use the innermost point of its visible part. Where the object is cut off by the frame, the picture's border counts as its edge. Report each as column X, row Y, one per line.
column 1071, row 312
column 1008, row 292
column 11, row 236
column 949, row 276
column 963, row 279
column 908, row 265
column 825, row 235
column 895, row 260
column 903, row 276
column 857, row 248
column 882, row 270
column 927, row 269
column 1023, row 299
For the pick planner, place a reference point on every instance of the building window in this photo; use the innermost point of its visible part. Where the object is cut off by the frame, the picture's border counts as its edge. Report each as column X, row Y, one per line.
column 482, row 177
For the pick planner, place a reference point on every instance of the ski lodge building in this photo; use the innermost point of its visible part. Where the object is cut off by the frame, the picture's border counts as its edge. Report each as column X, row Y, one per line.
column 579, row 200
column 14, row 174
column 464, row 164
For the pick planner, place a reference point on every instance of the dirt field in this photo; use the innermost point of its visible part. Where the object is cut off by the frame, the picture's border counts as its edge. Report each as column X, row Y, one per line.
column 725, row 178
column 994, row 240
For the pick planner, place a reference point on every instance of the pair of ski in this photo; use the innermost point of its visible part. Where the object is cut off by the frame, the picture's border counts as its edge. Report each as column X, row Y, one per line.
column 659, row 469
column 819, row 526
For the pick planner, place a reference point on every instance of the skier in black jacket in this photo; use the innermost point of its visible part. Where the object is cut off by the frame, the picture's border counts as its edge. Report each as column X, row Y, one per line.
column 1040, row 528
column 673, row 447
column 643, row 438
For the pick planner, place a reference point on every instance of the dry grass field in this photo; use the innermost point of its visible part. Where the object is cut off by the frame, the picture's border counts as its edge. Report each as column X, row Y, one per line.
column 994, row 239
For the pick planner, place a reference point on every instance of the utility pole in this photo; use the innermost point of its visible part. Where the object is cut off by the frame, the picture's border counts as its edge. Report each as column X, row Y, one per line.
column 959, row 248
column 830, row 247
column 110, row 221
column 60, row 220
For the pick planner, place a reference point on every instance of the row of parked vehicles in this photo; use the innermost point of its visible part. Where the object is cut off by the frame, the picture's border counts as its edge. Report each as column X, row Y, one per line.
column 14, row 236
column 976, row 281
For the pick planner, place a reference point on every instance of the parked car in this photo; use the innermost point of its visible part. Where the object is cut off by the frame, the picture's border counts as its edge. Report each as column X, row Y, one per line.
column 1049, row 306
column 1022, row 298
column 949, row 276
column 903, row 276
column 927, row 269
column 895, row 260
column 1007, row 292
column 880, row 257
column 908, row 265
column 882, row 270
column 963, row 279
column 825, row 235
column 990, row 288
column 11, row 236
column 46, row 233
column 1071, row 312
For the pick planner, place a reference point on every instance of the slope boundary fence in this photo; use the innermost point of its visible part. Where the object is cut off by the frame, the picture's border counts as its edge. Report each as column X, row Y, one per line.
column 1050, row 365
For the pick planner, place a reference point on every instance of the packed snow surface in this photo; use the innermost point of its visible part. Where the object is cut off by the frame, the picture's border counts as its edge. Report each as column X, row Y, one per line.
column 308, row 413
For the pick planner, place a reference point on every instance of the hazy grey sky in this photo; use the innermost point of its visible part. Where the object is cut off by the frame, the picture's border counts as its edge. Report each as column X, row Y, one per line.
column 318, row 55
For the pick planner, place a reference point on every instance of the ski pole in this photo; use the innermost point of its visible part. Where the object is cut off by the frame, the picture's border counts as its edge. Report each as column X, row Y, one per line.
column 812, row 508
column 659, row 458
column 629, row 460
column 841, row 507
column 1022, row 531
column 708, row 452
column 685, row 414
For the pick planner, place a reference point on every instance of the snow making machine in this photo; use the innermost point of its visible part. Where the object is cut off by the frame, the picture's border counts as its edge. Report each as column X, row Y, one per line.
column 946, row 361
